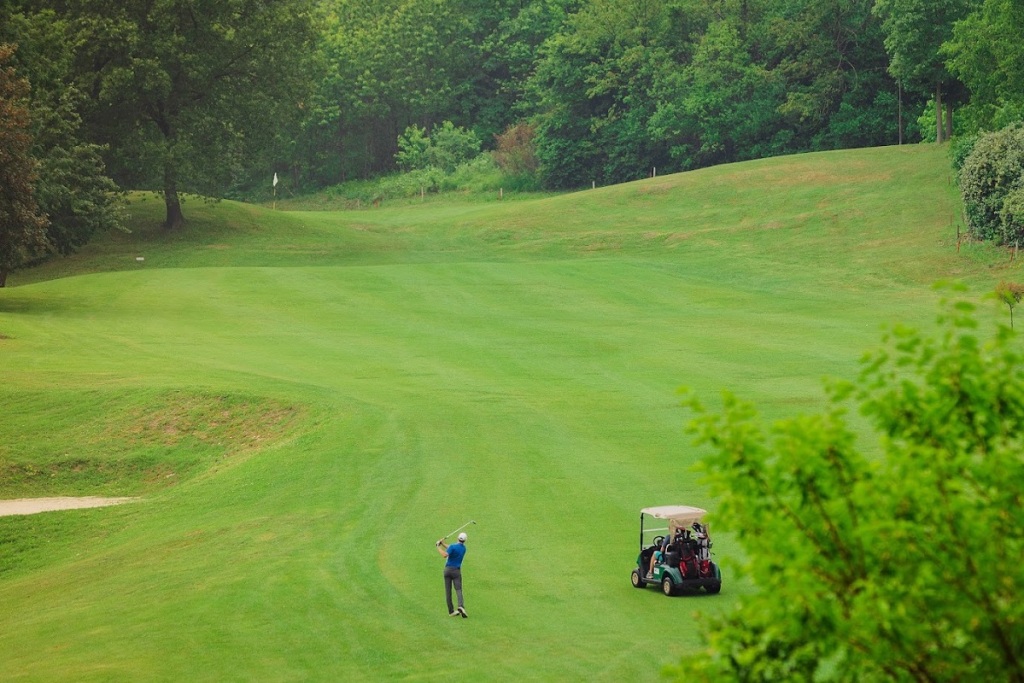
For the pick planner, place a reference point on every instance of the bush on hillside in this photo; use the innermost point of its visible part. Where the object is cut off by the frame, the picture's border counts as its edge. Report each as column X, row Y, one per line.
column 959, row 149
column 448, row 159
column 445, row 147
column 992, row 185
column 395, row 186
column 516, row 152
column 412, row 148
column 477, row 175
column 516, row 156
column 452, row 146
column 400, row 185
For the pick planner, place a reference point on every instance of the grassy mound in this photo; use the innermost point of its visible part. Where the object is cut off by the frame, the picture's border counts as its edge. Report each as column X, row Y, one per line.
column 126, row 442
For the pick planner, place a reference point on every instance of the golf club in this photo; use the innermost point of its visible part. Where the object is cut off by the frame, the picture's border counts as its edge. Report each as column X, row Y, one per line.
column 472, row 521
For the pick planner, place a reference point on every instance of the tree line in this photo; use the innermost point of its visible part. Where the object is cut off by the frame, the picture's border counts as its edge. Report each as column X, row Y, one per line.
column 186, row 96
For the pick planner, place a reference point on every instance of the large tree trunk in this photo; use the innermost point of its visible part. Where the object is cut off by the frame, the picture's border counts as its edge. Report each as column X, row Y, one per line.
column 175, row 219
column 949, row 119
column 939, row 130
column 3, row 277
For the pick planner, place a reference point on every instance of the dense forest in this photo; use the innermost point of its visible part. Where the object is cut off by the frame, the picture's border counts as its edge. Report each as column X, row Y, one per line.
column 188, row 96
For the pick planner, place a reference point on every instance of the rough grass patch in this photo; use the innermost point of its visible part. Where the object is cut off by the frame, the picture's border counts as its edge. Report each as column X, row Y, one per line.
column 784, row 176
column 104, row 442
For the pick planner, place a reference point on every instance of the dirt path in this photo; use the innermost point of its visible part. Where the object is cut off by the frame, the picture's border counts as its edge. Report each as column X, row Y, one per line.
column 30, row 506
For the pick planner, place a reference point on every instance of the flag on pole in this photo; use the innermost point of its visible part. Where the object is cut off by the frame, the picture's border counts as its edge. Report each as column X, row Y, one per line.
column 275, row 180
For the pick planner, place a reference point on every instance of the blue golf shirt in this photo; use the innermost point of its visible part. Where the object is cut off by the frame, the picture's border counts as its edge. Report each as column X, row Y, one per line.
column 456, row 552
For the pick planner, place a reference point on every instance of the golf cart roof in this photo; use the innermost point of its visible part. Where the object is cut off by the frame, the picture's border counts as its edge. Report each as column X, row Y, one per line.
column 682, row 515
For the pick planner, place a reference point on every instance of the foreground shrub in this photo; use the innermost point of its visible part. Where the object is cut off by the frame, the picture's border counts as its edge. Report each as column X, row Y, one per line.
column 899, row 563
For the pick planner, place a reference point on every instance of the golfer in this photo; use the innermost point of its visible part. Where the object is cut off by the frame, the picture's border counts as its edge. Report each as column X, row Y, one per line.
column 453, row 573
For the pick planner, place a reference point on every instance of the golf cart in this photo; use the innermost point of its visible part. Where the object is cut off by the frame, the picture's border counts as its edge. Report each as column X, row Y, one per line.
column 681, row 551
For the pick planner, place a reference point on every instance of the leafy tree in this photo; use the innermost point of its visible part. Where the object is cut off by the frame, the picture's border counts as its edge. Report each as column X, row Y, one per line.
column 591, row 92
column 915, row 31
column 72, row 188
column 22, row 224
column 1010, row 293
column 567, row 153
column 900, row 562
column 185, row 91
column 831, row 59
column 413, row 148
column 420, row 62
column 509, row 46
column 985, row 54
column 392, row 65
column 722, row 106
column 445, row 147
column 630, row 84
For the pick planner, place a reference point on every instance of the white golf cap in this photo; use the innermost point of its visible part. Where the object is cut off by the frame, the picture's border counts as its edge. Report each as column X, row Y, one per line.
column 462, row 537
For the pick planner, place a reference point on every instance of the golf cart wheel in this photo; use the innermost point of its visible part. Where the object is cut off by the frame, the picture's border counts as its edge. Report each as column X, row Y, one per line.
column 667, row 587
column 714, row 588
column 637, row 580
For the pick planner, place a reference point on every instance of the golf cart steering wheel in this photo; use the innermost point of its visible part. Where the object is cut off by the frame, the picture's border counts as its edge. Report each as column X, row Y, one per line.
column 658, row 540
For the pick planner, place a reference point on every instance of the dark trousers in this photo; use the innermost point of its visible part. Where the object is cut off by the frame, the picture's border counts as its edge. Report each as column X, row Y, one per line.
column 452, row 576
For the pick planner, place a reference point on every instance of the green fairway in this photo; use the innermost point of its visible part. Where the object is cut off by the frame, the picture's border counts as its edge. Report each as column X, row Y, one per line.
column 306, row 401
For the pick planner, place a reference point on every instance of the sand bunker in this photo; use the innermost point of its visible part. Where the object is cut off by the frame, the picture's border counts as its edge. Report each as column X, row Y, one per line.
column 30, row 506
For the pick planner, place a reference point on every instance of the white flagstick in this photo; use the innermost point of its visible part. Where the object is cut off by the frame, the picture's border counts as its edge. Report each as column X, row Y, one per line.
column 275, row 191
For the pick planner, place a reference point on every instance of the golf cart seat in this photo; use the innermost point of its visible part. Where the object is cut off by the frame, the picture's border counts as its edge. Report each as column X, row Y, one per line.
column 645, row 556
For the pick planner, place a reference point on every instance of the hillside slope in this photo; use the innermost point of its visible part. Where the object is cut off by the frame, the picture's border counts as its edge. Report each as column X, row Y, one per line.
column 892, row 211
column 307, row 401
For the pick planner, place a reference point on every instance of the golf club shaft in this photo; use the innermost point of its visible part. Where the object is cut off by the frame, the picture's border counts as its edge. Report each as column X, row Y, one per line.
column 472, row 521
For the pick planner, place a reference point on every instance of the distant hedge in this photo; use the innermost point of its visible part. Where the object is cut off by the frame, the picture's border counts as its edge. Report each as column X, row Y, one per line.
column 991, row 181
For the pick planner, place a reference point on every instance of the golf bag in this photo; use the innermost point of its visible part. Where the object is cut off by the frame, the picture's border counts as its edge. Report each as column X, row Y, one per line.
column 703, row 550
column 688, row 557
